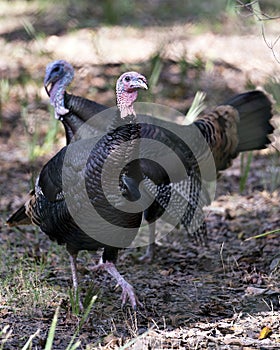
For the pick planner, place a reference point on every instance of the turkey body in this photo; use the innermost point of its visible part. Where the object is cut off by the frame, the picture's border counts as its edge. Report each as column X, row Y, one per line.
column 80, row 198
column 69, row 179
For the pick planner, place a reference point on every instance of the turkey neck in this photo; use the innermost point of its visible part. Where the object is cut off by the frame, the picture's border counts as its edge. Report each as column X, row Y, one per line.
column 57, row 96
column 125, row 103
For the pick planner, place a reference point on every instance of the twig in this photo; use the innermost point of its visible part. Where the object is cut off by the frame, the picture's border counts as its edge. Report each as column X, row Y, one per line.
column 254, row 9
column 222, row 258
column 251, row 7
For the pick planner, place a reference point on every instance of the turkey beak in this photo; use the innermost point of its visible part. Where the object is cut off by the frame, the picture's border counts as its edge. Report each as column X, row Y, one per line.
column 47, row 82
column 47, row 91
column 140, row 83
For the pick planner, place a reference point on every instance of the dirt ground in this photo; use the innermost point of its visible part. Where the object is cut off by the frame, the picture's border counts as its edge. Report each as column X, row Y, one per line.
column 214, row 297
column 218, row 296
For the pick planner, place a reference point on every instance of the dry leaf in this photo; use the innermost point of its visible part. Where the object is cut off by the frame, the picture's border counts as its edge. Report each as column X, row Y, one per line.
column 255, row 291
column 166, row 272
column 264, row 333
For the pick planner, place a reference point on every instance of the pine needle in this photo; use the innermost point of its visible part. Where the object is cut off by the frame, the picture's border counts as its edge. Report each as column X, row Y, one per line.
column 263, row 234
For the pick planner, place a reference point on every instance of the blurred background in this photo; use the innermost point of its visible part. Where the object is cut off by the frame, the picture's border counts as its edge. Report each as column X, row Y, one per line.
column 219, row 47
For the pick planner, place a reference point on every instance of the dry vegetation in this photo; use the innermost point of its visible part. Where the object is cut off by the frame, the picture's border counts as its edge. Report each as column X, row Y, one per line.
column 215, row 297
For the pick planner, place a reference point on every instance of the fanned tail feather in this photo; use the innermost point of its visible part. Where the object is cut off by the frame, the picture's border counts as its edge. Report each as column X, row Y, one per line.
column 255, row 112
column 19, row 217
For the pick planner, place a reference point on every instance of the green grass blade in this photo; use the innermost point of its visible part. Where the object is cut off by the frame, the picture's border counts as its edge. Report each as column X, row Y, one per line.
column 263, row 234
column 196, row 108
column 245, row 168
column 51, row 135
column 156, row 71
column 29, row 341
column 51, row 334
column 5, row 334
column 134, row 340
column 74, row 302
column 75, row 346
column 83, row 320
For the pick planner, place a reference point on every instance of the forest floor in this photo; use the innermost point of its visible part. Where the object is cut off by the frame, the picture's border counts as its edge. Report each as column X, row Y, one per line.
column 218, row 296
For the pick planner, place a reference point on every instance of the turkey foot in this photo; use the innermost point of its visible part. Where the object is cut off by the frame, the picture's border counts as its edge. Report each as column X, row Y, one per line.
column 127, row 289
column 149, row 255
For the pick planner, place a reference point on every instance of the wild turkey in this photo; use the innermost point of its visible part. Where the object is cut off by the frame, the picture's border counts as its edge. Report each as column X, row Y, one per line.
column 240, row 124
column 60, row 74
column 72, row 185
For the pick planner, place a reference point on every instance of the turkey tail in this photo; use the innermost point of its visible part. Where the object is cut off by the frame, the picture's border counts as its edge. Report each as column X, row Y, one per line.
column 19, row 217
column 255, row 112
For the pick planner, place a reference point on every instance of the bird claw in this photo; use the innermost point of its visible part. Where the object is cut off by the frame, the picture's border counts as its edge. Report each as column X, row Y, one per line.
column 148, row 257
column 127, row 289
column 128, row 293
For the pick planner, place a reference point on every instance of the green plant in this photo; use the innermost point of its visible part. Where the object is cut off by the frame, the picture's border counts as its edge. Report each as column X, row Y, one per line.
column 265, row 234
column 274, row 171
column 51, row 135
column 31, row 31
column 231, row 7
column 74, row 301
column 5, row 334
column 31, row 132
column 28, row 344
column 72, row 346
column 4, row 95
column 245, row 164
column 32, row 128
column 183, row 65
column 51, row 333
column 114, row 11
column 196, row 108
column 156, row 69
column 134, row 340
column 272, row 86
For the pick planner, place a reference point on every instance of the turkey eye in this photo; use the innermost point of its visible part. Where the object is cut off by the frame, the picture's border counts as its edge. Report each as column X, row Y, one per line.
column 56, row 69
column 127, row 78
